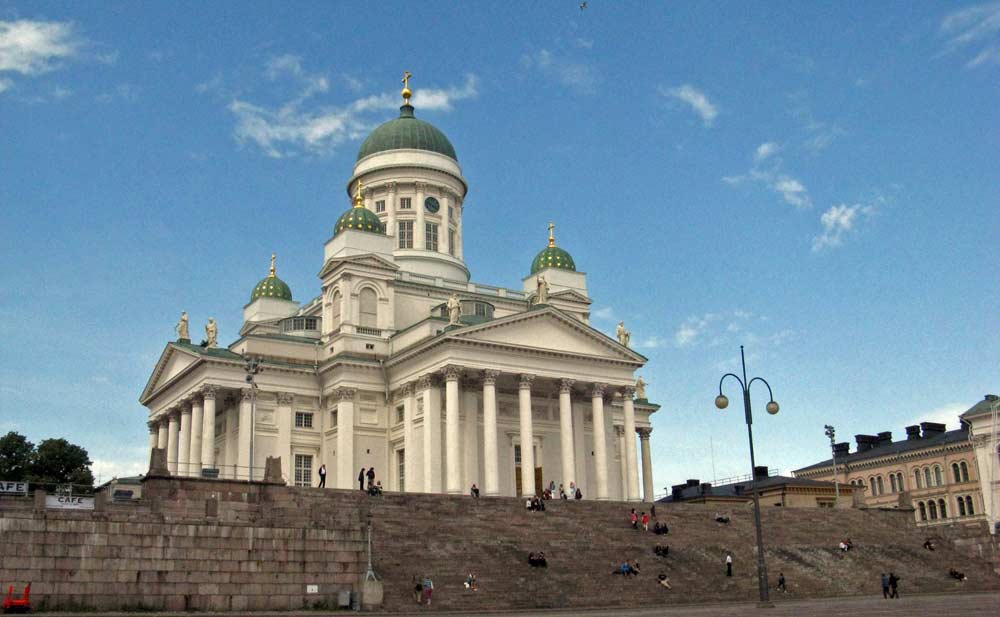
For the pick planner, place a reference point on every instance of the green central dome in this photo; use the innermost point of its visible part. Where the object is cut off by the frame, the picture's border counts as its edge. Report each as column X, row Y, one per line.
column 407, row 133
column 271, row 287
column 552, row 256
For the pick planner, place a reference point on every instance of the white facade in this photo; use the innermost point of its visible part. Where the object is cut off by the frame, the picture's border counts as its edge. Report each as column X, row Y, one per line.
column 371, row 373
column 984, row 433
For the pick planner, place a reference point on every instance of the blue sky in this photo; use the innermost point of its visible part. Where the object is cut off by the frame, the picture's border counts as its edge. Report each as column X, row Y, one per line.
column 817, row 182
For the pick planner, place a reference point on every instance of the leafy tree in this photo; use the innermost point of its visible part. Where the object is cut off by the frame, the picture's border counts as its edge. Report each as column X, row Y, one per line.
column 15, row 457
column 57, row 461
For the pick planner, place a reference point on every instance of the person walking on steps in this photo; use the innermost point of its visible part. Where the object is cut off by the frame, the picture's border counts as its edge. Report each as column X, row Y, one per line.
column 893, row 586
column 322, row 476
column 885, row 586
column 361, row 479
column 781, row 583
column 729, row 564
column 371, row 478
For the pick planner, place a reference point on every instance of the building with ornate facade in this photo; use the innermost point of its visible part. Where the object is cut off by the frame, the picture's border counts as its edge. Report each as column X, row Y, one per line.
column 984, row 434
column 932, row 470
column 404, row 364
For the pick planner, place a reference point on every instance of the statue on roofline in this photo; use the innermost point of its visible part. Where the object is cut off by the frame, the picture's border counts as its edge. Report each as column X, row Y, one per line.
column 542, row 295
column 623, row 335
column 182, row 327
column 212, row 333
column 640, row 388
column 454, row 310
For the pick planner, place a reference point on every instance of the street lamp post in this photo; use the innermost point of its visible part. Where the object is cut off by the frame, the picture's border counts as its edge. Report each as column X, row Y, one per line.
column 772, row 408
column 831, row 432
column 252, row 368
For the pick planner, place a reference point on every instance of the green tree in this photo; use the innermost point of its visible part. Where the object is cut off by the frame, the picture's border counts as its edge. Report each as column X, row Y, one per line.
column 15, row 457
column 57, row 461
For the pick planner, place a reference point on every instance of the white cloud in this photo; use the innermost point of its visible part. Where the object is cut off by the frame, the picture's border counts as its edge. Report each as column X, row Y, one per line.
column 693, row 329
column 976, row 27
column 33, row 47
column 651, row 342
column 5, row 84
column 721, row 328
column 838, row 222
column 606, row 313
column 946, row 414
column 792, row 191
column 294, row 127
column 574, row 75
column 765, row 151
column 105, row 469
column 697, row 99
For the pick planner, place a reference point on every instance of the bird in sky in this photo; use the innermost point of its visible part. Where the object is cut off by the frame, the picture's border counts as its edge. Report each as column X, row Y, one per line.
column 583, row 5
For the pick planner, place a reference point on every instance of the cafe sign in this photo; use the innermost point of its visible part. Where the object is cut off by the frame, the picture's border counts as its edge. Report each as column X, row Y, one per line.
column 69, row 502
column 13, row 488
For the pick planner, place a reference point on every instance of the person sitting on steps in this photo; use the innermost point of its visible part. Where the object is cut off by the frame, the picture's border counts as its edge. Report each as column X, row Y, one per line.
column 662, row 550
column 958, row 576
column 721, row 519
column 537, row 561
column 470, row 581
column 625, row 569
column 579, row 494
column 664, row 581
column 474, row 491
column 929, row 544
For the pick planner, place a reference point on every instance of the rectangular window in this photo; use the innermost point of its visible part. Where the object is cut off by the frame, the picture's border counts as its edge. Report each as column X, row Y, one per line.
column 404, row 203
column 431, row 238
column 451, row 213
column 401, row 468
column 303, row 419
column 451, row 242
column 333, row 417
column 303, row 469
column 310, row 323
column 405, row 234
column 517, row 455
column 400, row 414
column 380, row 205
column 480, row 309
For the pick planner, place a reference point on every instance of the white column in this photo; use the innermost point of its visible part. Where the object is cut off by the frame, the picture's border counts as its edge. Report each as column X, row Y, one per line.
column 346, row 474
column 173, row 438
column 161, row 433
column 432, row 434
column 197, row 425
column 208, row 428
column 647, row 464
column 409, row 445
column 630, row 457
column 390, row 230
column 443, row 241
column 566, row 432
column 600, row 443
column 419, row 237
column 153, row 438
column 469, row 404
column 243, row 437
column 283, row 416
column 453, row 460
column 580, row 447
column 527, row 436
column 184, row 446
column 623, row 465
column 458, row 228
column 491, row 463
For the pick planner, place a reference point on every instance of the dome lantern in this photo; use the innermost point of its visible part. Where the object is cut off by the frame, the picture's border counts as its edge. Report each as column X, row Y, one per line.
column 552, row 256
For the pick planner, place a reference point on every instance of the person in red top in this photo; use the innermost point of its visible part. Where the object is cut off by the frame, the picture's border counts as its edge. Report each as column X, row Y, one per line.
column 645, row 521
column 634, row 518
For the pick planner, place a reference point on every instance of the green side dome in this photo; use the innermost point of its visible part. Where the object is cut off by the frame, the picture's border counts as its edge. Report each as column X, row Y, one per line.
column 359, row 218
column 407, row 132
column 552, row 256
column 271, row 287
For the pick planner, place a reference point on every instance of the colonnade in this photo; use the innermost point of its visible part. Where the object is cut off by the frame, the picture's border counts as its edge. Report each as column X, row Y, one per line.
column 449, row 479
column 187, row 432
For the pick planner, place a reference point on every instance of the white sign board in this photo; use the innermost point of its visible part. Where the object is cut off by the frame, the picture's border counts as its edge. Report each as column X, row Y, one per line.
column 13, row 488
column 312, row 588
column 66, row 502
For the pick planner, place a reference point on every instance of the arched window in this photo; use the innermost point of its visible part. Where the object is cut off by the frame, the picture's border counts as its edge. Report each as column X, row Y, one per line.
column 871, row 485
column 955, row 472
column 965, row 471
column 916, row 477
column 892, row 482
column 923, row 511
column 968, row 505
column 335, row 310
column 368, row 308
column 942, row 508
column 932, row 509
column 938, row 476
column 881, row 487
column 927, row 477
column 899, row 482
column 961, row 506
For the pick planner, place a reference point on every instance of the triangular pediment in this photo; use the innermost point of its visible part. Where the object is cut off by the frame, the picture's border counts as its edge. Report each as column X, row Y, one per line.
column 173, row 361
column 570, row 295
column 367, row 260
column 551, row 330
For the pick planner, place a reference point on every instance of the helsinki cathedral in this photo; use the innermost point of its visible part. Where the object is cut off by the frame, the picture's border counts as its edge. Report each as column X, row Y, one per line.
column 404, row 363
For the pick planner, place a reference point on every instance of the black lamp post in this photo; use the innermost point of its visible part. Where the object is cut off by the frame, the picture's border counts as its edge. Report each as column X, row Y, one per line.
column 772, row 408
column 252, row 368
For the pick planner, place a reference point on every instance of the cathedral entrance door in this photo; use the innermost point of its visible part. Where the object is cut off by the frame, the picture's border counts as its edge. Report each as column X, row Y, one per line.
column 517, row 480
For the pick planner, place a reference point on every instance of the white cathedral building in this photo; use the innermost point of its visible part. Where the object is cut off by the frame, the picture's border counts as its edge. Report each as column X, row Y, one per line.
column 404, row 364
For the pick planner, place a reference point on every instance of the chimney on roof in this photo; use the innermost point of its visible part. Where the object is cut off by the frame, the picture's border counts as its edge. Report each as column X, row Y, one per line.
column 842, row 449
column 913, row 431
column 706, row 488
column 865, row 442
column 760, row 472
column 693, row 482
column 932, row 428
column 677, row 491
column 884, row 438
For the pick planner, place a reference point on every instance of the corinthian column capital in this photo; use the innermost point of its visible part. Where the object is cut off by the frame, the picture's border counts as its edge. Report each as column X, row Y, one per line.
column 566, row 385
column 628, row 392
column 525, row 381
column 452, row 372
column 345, row 394
column 644, row 432
column 597, row 390
column 490, row 377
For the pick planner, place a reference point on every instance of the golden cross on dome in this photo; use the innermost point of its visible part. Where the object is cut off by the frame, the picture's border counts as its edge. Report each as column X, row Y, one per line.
column 407, row 93
column 552, row 233
column 273, row 257
column 359, row 202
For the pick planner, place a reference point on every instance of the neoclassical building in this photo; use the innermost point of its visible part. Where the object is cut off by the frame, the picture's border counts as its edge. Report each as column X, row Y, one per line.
column 404, row 364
